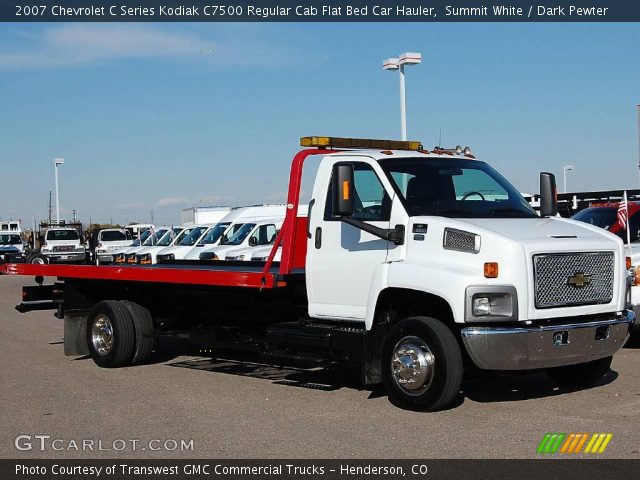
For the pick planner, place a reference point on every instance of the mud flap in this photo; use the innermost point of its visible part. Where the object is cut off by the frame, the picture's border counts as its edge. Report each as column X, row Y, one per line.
column 75, row 332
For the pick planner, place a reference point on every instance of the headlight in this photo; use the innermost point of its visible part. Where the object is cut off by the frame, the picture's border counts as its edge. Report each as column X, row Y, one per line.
column 167, row 257
column 80, row 249
column 144, row 259
column 237, row 258
column 481, row 306
column 491, row 303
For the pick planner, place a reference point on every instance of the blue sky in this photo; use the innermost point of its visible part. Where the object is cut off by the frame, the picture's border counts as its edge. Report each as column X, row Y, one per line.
column 164, row 116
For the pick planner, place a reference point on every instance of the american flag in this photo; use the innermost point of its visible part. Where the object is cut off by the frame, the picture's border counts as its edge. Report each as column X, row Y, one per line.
column 623, row 213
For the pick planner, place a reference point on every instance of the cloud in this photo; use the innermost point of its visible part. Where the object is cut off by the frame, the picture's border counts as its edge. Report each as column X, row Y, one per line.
column 77, row 45
column 171, row 202
column 131, row 206
column 72, row 45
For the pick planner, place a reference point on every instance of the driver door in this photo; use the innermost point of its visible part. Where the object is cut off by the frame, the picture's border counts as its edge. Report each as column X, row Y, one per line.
column 342, row 259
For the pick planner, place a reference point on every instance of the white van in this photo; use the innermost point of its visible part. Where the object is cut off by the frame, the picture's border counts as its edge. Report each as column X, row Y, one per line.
column 148, row 255
column 191, row 247
column 137, row 229
column 129, row 255
column 252, row 234
column 180, row 249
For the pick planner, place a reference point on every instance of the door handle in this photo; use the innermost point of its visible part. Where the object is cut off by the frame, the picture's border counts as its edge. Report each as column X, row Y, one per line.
column 318, row 237
column 311, row 204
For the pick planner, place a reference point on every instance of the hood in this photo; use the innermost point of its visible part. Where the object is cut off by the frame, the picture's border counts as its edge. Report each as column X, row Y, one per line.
column 537, row 233
column 179, row 251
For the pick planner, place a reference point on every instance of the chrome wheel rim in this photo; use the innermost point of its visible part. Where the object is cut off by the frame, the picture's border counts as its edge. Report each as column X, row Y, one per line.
column 412, row 365
column 102, row 335
column 38, row 261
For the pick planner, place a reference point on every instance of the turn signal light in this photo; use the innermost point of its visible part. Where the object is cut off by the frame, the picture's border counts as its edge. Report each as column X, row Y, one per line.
column 338, row 142
column 491, row 269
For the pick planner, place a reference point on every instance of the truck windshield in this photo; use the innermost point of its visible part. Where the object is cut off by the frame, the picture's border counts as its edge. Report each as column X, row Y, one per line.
column 9, row 239
column 191, row 239
column 112, row 236
column 56, row 235
column 214, row 233
column 153, row 239
column 454, row 188
column 238, row 237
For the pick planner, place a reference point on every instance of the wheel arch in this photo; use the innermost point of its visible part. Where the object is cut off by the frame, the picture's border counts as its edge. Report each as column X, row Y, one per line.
column 392, row 305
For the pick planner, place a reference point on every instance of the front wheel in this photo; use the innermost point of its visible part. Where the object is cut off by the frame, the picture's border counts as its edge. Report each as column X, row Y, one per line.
column 581, row 375
column 422, row 364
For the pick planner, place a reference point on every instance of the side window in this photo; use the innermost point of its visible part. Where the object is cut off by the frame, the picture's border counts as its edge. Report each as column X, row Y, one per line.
column 371, row 199
column 265, row 234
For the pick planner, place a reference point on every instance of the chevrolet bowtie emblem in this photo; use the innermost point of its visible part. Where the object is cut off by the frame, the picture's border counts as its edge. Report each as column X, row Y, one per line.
column 579, row 279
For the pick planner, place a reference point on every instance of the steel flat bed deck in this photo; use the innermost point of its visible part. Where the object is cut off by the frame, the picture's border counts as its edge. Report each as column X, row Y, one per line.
column 216, row 274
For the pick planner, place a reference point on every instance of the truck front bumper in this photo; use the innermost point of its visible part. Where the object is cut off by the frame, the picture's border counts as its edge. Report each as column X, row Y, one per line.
column 70, row 257
column 531, row 347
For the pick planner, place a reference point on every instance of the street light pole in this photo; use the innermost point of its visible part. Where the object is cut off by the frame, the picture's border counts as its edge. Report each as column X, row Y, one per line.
column 56, row 163
column 403, row 106
column 566, row 169
column 408, row 58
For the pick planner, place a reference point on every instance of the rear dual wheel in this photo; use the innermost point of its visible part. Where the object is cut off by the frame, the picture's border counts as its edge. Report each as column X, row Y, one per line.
column 119, row 333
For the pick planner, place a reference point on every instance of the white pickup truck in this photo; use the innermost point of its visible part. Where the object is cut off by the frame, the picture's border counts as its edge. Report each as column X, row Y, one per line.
column 412, row 265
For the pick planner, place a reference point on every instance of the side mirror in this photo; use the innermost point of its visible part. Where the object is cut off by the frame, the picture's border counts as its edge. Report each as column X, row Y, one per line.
column 343, row 204
column 253, row 242
column 548, row 195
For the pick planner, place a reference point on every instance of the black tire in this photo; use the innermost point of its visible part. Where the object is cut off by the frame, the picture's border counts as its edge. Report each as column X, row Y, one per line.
column 445, row 374
column 581, row 375
column 143, row 327
column 38, row 259
column 119, row 352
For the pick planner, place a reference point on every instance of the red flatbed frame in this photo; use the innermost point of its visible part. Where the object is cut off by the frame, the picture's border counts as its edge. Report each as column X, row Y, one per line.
column 292, row 238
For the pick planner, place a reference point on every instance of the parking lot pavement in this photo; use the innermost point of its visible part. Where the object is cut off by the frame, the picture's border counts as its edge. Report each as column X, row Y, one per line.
column 236, row 409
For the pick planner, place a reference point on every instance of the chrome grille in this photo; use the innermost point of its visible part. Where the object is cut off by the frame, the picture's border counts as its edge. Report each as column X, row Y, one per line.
column 563, row 280
column 460, row 240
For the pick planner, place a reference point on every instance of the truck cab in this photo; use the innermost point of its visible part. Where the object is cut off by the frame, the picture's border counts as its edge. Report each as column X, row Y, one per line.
column 441, row 239
column 61, row 245
column 11, row 245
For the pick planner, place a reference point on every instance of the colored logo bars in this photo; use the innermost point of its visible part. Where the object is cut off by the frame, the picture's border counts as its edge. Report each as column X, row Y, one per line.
column 574, row 443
